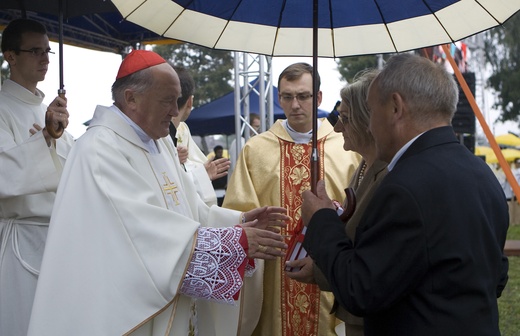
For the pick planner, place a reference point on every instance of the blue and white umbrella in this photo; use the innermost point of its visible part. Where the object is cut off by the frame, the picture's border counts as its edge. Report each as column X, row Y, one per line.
column 317, row 28
column 345, row 27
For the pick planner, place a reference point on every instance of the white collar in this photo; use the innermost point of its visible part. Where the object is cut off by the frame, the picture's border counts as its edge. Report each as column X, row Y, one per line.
column 148, row 142
column 400, row 152
column 298, row 137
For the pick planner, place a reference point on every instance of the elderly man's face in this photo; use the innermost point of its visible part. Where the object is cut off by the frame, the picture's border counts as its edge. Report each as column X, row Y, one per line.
column 157, row 106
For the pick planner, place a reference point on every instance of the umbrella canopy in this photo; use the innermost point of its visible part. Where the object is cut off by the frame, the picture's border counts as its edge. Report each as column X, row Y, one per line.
column 69, row 8
column 100, row 31
column 510, row 154
column 318, row 28
column 345, row 27
column 93, row 24
column 487, row 152
column 508, row 140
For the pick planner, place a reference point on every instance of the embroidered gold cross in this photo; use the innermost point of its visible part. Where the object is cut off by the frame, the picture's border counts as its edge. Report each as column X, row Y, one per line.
column 170, row 189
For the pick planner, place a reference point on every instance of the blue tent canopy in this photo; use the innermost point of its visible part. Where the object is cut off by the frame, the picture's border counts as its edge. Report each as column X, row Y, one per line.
column 104, row 29
column 218, row 116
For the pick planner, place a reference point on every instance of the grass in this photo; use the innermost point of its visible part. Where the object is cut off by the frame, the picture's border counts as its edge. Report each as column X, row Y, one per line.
column 513, row 233
column 509, row 302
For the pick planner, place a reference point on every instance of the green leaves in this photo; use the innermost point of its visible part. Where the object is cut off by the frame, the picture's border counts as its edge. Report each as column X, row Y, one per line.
column 212, row 70
column 502, row 51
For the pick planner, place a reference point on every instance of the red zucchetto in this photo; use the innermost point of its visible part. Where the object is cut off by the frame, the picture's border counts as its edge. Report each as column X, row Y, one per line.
column 138, row 60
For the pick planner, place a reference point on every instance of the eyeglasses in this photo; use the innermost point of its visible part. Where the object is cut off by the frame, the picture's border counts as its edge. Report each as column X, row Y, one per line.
column 36, row 52
column 343, row 119
column 301, row 97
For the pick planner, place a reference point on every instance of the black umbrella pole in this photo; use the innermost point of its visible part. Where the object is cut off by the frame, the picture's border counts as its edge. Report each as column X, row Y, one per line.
column 315, row 158
column 57, row 133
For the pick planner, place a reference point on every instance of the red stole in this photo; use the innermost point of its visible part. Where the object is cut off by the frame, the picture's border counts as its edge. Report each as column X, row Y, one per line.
column 300, row 303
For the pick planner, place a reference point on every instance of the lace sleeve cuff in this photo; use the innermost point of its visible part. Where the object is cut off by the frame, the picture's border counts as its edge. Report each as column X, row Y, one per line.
column 217, row 266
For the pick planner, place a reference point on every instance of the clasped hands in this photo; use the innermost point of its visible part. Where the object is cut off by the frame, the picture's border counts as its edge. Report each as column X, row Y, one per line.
column 262, row 229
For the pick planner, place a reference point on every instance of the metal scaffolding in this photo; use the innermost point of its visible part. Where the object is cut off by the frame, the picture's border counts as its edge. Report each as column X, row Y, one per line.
column 252, row 74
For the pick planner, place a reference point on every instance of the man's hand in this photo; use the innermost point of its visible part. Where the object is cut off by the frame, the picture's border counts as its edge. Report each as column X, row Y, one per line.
column 183, row 153
column 306, row 272
column 267, row 218
column 46, row 135
column 217, row 168
column 57, row 115
column 313, row 203
column 264, row 244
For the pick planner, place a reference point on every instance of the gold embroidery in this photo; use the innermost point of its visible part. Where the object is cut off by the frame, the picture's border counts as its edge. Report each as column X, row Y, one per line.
column 300, row 303
column 170, row 188
column 299, row 174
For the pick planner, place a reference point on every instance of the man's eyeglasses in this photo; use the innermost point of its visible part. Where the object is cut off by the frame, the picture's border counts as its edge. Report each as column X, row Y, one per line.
column 36, row 52
column 301, row 97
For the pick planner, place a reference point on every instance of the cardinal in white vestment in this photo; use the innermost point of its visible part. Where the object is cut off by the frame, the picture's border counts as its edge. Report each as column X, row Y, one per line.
column 131, row 246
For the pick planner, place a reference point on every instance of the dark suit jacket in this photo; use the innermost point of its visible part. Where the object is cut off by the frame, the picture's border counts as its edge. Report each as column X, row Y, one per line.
column 428, row 258
column 364, row 191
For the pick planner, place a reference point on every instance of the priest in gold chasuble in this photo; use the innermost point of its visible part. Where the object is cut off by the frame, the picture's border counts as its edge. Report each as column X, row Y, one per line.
column 274, row 169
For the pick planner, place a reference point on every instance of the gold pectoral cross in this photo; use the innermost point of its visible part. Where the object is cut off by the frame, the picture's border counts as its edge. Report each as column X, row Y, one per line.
column 170, row 188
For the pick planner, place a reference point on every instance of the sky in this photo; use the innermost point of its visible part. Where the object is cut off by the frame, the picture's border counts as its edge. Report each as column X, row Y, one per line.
column 88, row 77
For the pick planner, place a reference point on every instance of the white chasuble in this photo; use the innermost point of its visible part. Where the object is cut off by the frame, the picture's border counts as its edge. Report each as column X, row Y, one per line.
column 122, row 244
column 168, row 179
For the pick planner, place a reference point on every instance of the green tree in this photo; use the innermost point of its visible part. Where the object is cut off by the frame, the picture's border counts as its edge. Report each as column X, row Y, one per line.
column 211, row 69
column 348, row 67
column 502, row 51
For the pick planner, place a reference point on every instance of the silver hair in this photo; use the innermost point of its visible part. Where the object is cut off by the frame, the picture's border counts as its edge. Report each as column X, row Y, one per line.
column 428, row 89
column 140, row 81
column 354, row 95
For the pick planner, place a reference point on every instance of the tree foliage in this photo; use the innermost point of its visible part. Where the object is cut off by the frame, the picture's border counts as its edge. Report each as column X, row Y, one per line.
column 211, row 69
column 502, row 51
column 348, row 67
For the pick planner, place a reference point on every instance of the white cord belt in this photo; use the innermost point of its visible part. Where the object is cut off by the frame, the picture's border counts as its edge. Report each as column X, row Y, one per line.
column 11, row 231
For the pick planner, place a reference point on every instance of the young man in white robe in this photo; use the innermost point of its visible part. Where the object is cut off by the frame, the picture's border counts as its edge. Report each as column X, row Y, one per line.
column 132, row 247
column 201, row 170
column 30, row 167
